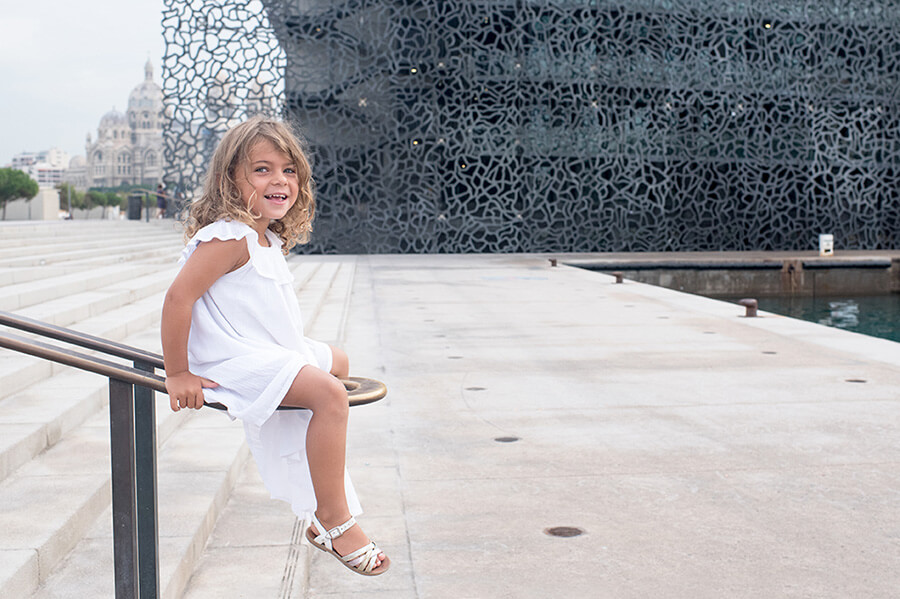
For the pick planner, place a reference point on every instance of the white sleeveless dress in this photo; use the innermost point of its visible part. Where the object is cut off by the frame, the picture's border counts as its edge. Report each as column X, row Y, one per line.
column 247, row 336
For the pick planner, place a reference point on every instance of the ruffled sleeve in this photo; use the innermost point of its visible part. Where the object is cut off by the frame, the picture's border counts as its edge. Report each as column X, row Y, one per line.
column 268, row 262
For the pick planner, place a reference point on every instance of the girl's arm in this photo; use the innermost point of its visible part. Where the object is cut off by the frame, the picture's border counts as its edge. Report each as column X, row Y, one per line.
column 209, row 261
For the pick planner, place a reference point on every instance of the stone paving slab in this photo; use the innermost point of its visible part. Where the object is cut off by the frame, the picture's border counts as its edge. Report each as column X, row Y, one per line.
column 18, row 570
column 253, row 529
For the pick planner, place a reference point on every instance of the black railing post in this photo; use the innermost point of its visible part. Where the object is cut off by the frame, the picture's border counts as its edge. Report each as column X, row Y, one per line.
column 124, row 517
column 146, row 494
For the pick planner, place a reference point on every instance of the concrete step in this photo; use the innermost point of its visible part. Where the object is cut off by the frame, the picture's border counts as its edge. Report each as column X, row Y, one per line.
column 50, row 501
column 16, row 296
column 326, row 322
column 12, row 275
column 134, row 251
column 66, row 416
column 114, row 312
column 13, row 233
column 25, row 274
column 38, row 417
column 113, row 235
column 61, row 494
column 22, row 233
column 59, row 398
column 260, row 532
column 99, row 304
column 40, row 400
column 61, row 484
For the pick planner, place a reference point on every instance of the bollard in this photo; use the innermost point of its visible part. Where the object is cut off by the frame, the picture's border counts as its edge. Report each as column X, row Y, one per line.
column 618, row 276
column 552, row 261
column 751, row 305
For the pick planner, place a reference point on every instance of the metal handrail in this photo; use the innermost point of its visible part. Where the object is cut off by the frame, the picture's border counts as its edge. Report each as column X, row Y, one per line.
column 83, row 361
column 360, row 391
column 120, row 350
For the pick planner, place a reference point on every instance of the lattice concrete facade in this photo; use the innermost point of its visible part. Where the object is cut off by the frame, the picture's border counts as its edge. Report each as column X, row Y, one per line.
column 470, row 126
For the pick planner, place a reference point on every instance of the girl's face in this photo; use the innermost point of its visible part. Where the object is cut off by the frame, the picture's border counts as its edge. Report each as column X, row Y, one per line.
column 268, row 184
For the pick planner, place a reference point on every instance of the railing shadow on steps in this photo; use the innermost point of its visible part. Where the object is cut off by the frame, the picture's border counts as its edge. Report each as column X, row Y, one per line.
column 132, row 430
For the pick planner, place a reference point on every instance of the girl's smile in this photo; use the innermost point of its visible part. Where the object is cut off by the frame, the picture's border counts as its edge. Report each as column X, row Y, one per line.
column 268, row 184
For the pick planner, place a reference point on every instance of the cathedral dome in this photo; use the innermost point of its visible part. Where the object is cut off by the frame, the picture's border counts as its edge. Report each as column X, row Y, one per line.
column 113, row 118
column 145, row 104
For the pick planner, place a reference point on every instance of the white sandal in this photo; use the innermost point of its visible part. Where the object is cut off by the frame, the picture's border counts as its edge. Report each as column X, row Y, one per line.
column 361, row 561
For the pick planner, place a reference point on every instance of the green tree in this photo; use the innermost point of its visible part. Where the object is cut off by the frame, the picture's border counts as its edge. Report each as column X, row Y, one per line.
column 111, row 199
column 68, row 194
column 101, row 197
column 94, row 197
column 15, row 184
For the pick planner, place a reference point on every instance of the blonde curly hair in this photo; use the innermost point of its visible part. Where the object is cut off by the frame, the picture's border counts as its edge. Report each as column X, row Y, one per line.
column 221, row 197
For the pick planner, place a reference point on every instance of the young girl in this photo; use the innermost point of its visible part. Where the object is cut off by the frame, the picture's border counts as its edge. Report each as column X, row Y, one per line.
column 232, row 333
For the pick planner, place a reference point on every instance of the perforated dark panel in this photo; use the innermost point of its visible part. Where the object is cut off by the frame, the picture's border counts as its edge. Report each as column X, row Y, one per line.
column 222, row 63
column 467, row 126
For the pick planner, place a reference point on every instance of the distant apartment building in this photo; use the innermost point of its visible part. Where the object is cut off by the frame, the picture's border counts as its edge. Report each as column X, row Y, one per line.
column 47, row 167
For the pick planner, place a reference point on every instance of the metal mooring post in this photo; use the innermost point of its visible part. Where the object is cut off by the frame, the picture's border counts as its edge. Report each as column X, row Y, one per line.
column 146, row 494
column 124, row 517
column 751, row 306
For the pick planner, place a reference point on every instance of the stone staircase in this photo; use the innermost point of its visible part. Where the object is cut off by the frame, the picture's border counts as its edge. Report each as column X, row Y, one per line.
column 108, row 279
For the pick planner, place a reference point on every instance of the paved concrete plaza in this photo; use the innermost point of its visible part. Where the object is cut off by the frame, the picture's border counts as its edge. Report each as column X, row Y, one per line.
column 703, row 454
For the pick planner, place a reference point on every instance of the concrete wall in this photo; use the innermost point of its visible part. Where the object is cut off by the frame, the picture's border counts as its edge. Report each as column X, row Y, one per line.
column 43, row 206
column 112, row 213
column 791, row 280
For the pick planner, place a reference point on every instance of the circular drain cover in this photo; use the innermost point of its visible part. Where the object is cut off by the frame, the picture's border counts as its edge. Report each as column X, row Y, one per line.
column 506, row 439
column 563, row 531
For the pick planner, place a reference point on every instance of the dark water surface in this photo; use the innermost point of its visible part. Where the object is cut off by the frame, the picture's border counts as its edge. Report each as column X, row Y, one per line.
column 875, row 315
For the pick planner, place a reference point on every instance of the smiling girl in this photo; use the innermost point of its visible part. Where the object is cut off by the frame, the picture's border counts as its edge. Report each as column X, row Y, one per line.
column 232, row 333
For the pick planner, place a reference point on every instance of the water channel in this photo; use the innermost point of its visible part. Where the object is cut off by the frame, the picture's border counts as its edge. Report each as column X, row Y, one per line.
column 874, row 315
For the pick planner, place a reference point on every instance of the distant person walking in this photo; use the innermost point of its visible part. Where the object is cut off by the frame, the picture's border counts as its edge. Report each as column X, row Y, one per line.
column 160, row 201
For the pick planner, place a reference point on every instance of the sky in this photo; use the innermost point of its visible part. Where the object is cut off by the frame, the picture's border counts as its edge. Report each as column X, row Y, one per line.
column 64, row 64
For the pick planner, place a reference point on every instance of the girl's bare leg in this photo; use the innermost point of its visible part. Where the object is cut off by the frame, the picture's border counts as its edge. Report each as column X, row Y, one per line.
column 326, row 443
column 340, row 363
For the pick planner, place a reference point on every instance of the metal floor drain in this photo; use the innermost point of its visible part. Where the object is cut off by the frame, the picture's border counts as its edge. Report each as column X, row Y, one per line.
column 856, row 380
column 563, row 531
column 506, row 439
column 475, row 388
